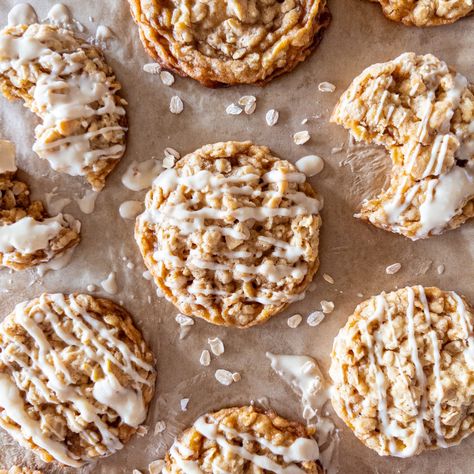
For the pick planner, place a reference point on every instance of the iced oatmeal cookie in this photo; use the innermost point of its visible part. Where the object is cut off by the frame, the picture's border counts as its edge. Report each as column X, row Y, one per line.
column 226, row 42
column 28, row 235
column 69, row 86
column 244, row 440
column 422, row 112
column 231, row 233
column 403, row 371
column 426, row 12
column 76, row 377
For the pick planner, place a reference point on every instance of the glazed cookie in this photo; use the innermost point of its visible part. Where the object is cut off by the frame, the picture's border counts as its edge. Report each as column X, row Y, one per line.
column 426, row 12
column 69, row 86
column 231, row 233
column 244, row 439
column 76, row 377
column 402, row 368
column 28, row 235
column 422, row 112
column 221, row 42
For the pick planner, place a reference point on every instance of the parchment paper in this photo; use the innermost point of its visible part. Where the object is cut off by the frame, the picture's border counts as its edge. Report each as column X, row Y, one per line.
column 353, row 253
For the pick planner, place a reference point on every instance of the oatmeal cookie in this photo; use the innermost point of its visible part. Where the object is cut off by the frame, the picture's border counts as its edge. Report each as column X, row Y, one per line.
column 231, row 233
column 426, row 12
column 76, row 377
column 28, row 235
column 422, row 112
column 403, row 371
column 227, row 42
column 244, row 440
column 69, row 86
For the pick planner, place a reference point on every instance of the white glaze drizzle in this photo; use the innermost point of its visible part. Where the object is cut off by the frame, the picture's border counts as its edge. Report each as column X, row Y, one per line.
column 22, row 14
column 127, row 401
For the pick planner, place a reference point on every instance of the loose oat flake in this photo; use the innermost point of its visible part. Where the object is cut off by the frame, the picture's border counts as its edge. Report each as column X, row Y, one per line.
column 440, row 269
column 315, row 318
column 152, row 68
column 294, row 321
column 392, row 269
column 217, row 346
column 176, row 105
column 300, row 138
column 233, row 109
column 224, row 377
column 172, row 152
column 249, row 102
column 236, row 377
column 328, row 278
column 184, row 404
column 167, row 78
column 326, row 87
column 183, row 320
column 156, row 466
column 327, row 306
column 205, row 358
column 272, row 117
column 160, row 427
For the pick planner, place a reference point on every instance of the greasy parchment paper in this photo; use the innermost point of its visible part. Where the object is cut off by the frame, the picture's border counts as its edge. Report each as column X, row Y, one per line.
column 353, row 253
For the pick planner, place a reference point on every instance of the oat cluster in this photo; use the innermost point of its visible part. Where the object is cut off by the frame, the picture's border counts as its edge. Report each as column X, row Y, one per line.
column 230, row 42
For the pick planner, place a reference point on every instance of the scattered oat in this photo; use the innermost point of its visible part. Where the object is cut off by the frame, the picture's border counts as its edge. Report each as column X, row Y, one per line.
column 160, row 427
column 176, row 105
column 315, row 318
column 91, row 288
column 233, row 109
column 326, row 87
column 184, row 331
column 217, row 346
column 440, row 269
column 136, row 471
column 205, row 358
column 304, row 121
column 183, row 320
column 328, row 278
column 183, row 403
column 327, row 306
column 392, row 269
column 172, row 152
column 360, row 295
column 236, row 377
column 337, row 149
column 249, row 102
column 272, row 117
column 156, row 466
column 224, row 377
column 152, row 68
column 300, row 138
column 142, row 430
column 294, row 321
column 167, row 78
column 168, row 161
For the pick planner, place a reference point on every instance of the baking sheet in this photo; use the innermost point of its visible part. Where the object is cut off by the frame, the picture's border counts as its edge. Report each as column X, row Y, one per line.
column 353, row 253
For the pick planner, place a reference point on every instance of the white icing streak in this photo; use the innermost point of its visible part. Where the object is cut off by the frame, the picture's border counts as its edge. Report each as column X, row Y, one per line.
column 47, row 373
column 22, row 14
